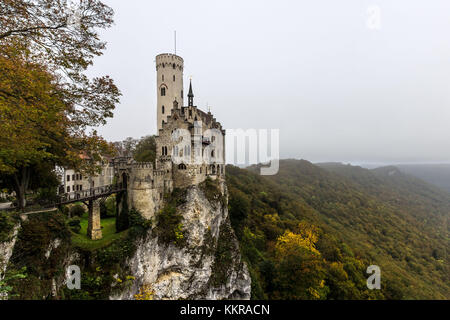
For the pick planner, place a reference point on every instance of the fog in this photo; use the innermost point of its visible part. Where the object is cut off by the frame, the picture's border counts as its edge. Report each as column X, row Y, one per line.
column 354, row 81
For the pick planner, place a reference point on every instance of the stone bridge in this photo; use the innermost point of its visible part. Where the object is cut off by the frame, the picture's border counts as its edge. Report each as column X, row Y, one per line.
column 92, row 198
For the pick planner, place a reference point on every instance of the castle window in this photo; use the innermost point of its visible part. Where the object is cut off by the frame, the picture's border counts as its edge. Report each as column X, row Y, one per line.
column 73, row 177
column 81, row 187
column 163, row 91
column 68, row 177
column 187, row 150
column 68, row 189
column 182, row 93
column 212, row 153
column 173, row 66
column 182, row 166
column 173, row 77
column 162, row 77
column 162, row 109
column 162, row 123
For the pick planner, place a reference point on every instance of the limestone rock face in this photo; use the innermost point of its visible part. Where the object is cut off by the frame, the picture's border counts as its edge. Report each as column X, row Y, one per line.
column 6, row 249
column 207, row 266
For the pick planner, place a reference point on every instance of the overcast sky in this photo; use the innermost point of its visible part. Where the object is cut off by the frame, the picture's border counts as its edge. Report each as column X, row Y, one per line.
column 340, row 84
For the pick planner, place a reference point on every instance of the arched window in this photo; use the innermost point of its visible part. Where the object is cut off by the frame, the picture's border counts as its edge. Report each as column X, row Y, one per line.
column 163, row 91
column 165, row 150
column 182, row 166
column 162, row 109
column 212, row 154
column 162, row 150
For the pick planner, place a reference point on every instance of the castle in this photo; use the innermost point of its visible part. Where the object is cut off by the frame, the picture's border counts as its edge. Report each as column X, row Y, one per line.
column 190, row 146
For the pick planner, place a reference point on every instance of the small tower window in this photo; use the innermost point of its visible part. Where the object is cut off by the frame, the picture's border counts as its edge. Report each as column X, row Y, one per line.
column 162, row 77
column 173, row 66
column 212, row 153
column 162, row 109
column 162, row 123
column 173, row 77
column 163, row 91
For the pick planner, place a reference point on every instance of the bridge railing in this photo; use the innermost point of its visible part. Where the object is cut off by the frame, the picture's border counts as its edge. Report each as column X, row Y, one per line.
column 90, row 193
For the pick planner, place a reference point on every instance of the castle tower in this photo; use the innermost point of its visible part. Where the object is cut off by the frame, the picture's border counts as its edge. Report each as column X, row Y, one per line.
column 169, row 73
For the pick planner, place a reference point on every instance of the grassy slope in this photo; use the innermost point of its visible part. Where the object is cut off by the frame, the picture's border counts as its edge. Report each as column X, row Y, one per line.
column 81, row 239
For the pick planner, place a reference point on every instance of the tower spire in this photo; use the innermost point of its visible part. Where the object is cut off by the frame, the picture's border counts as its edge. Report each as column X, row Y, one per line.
column 190, row 94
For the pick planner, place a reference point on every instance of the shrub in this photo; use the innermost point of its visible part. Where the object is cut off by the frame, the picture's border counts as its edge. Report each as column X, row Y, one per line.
column 74, row 224
column 77, row 210
column 169, row 226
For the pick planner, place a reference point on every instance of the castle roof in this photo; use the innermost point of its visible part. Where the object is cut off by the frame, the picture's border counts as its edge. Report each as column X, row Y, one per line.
column 190, row 94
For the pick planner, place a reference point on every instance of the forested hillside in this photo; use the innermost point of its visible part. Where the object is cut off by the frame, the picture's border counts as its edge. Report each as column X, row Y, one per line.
column 437, row 174
column 310, row 232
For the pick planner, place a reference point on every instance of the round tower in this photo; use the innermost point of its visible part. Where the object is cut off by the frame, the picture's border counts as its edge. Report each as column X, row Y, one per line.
column 169, row 73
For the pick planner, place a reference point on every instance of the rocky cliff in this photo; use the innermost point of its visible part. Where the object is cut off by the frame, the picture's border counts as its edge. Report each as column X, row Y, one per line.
column 205, row 264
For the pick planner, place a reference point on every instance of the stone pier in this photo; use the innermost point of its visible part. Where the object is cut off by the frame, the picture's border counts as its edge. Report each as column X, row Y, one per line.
column 94, row 230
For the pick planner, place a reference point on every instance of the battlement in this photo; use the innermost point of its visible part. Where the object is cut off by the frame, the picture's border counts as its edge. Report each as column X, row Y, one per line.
column 167, row 60
column 142, row 165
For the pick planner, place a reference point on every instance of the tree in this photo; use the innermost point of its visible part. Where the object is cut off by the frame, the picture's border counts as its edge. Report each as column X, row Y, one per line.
column 46, row 101
column 145, row 149
column 299, row 266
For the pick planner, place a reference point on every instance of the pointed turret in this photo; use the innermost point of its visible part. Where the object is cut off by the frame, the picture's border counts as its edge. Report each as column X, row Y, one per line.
column 190, row 95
